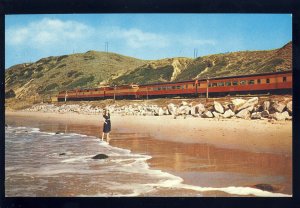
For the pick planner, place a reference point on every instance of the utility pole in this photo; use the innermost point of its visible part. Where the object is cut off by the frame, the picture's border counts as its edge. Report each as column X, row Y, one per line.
column 147, row 93
column 207, row 83
column 106, row 47
column 115, row 92
column 66, row 95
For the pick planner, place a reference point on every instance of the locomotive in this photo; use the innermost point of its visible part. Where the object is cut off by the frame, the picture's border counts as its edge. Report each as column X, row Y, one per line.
column 271, row 83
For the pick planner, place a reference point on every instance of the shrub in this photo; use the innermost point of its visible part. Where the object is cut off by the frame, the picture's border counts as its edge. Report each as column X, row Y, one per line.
column 10, row 94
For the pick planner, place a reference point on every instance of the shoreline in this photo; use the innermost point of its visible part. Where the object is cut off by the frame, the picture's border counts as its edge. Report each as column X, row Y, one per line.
column 254, row 136
column 161, row 138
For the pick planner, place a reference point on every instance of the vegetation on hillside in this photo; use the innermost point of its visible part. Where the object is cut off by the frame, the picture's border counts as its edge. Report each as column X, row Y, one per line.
column 49, row 75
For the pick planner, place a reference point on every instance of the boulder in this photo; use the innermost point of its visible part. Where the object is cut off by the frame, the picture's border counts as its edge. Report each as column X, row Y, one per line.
column 100, row 156
column 266, row 105
column 256, row 115
column 216, row 114
column 265, row 187
column 183, row 110
column 228, row 114
column 172, row 108
column 237, row 103
column 159, row 112
column 197, row 109
column 245, row 114
column 218, row 107
column 183, row 103
column 207, row 114
column 280, row 116
column 289, row 107
column 265, row 114
column 248, row 104
column 278, row 107
column 226, row 107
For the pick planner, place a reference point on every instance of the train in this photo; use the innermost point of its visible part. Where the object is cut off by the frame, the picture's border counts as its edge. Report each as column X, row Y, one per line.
column 266, row 83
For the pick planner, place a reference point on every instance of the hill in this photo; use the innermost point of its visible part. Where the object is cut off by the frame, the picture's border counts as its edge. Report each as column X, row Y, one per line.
column 219, row 65
column 51, row 74
column 87, row 70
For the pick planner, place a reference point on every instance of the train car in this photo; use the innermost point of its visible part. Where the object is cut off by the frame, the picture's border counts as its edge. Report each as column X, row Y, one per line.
column 272, row 83
column 122, row 92
column 170, row 89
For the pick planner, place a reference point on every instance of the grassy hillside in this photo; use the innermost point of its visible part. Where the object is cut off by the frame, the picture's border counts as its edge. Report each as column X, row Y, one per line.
column 87, row 70
column 52, row 74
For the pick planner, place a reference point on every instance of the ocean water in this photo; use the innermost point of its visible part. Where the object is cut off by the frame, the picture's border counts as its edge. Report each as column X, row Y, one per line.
column 49, row 164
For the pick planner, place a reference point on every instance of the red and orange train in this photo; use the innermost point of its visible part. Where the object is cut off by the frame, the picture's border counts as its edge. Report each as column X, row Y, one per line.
column 273, row 83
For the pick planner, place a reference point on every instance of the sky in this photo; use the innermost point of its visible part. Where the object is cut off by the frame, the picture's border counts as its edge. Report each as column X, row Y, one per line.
column 29, row 38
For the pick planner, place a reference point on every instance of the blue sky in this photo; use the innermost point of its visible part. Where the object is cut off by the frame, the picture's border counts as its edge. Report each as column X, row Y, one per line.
column 29, row 38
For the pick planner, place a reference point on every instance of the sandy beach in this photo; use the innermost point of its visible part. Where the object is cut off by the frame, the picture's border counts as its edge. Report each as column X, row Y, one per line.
column 204, row 152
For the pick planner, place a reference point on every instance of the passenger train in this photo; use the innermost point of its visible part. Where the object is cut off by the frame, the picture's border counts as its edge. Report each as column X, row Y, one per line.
column 272, row 83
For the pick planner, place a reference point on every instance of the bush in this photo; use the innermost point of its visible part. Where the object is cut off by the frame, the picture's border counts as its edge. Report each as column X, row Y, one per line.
column 10, row 94
column 81, row 82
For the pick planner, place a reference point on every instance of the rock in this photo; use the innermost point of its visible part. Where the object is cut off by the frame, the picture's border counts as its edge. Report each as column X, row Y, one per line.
column 256, row 115
column 100, row 156
column 228, row 114
column 159, row 112
column 278, row 107
column 265, row 114
column 207, row 114
column 226, row 107
column 286, row 115
column 183, row 103
column 248, row 104
column 61, row 154
column 172, row 109
column 197, row 109
column 289, row 107
column 266, row 105
column 216, row 114
column 237, row 103
column 218, row 107
column 184, row 110
column 245, row 114
column 278, row 116
column 6, row 125
column 265, row 187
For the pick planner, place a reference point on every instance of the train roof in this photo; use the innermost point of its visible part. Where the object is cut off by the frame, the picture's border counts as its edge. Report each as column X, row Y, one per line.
column 218, row 78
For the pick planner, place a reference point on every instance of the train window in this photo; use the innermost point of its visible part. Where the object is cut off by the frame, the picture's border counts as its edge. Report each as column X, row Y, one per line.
column 178, row 87
column 182, row 87
column 198, row 84
column 283, row 79
column 194, row 85
column 186, row 86
column 268, row 81
column 251, row 82
column 243, row 82
column 214, row 84
column 173, row 87
column 228, row 83
column 258, row 81
column 209, row 85
column 220, row 84
column 159, row 88
column 163, row 88
column 235, row 83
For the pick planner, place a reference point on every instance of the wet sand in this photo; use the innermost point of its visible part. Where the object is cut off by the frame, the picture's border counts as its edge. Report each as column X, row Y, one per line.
column 207, row 153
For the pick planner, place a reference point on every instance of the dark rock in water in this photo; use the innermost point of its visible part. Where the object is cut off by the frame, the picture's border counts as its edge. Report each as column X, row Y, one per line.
column 57, row 132
column 265, row 187
column 61, row 154
column 100, row 156
column 6, row 125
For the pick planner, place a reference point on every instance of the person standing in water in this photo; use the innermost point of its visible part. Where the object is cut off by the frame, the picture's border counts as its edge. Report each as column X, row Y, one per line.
column 106, row 125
